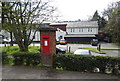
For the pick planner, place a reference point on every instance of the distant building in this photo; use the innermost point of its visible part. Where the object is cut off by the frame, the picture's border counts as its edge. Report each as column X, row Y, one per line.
column 4, row 35
column 82, row 31
column 79, row 31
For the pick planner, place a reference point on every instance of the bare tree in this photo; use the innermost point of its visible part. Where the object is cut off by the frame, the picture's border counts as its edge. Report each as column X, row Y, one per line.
column 109, row 10
column 24, row 19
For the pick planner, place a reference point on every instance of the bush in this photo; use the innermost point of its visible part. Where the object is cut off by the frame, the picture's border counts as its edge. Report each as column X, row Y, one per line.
column 26, row 58
column 6, row 59
column 74, row 62
column 86, row 63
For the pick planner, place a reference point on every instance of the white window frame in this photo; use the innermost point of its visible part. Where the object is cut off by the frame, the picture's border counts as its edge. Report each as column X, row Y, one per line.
column 72, row 30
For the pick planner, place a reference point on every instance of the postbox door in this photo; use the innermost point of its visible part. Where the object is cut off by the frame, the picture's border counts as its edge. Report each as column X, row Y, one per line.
column 45, row 44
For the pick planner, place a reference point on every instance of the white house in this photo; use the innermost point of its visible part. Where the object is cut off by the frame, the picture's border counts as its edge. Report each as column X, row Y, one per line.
column 81, row 31
column 83, row 27
column 60, row 34
column 61, row 30
column 4, row 35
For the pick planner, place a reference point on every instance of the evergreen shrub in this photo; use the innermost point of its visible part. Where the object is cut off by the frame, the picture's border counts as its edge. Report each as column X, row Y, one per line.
column 26, row 58
column 87, row 63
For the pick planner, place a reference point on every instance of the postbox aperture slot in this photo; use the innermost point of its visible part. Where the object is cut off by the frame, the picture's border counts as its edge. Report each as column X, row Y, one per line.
column 45, row 38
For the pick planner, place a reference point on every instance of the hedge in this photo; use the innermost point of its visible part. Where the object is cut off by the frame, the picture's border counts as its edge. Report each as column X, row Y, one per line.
column 86, row 63
column 71, row 62
column 26, row 58
column 7, row 59
column 4, row 58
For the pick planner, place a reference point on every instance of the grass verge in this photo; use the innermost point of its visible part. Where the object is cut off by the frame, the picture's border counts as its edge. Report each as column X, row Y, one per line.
column 94, row 49
column 110, row 48
column 117, row 44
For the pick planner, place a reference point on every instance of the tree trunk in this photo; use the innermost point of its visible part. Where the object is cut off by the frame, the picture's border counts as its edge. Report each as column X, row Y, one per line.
column 21, row 43
column 23, row 48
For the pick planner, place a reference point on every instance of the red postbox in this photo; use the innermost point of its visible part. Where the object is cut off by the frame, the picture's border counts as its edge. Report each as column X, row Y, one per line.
column 48, row 45
column 45, row 44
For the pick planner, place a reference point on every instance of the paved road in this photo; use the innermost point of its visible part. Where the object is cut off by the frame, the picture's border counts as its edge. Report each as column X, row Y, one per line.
column 115, row 53
column 103, row 45
column 74, row 47
column 24, row 72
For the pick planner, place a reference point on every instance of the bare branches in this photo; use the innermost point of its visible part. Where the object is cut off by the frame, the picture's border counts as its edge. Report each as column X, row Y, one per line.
column 110, row 9
column 21, row 18
column 113, row 13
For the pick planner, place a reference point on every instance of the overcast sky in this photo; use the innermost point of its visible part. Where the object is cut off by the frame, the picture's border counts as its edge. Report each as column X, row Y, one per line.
column 80, row 9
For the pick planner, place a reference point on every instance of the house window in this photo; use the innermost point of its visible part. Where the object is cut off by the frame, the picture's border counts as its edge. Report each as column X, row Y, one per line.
column 80, row 29
column 89, row 29
column 61, row 37
column 72, row 30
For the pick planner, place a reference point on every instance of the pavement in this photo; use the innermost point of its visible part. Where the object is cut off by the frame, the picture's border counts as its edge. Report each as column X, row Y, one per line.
column 0, row 71
column 25, row 72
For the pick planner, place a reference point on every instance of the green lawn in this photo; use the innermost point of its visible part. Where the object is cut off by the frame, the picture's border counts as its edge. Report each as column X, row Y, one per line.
column 12, row 49
column 110, row 48
column 117, row 44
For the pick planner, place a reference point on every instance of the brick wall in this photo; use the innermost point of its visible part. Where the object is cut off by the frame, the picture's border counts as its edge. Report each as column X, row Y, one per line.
column 52, row 41
column 47, row 59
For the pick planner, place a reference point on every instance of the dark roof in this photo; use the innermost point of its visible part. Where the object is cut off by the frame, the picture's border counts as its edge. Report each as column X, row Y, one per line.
column 61, row 26
column 48, row 29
